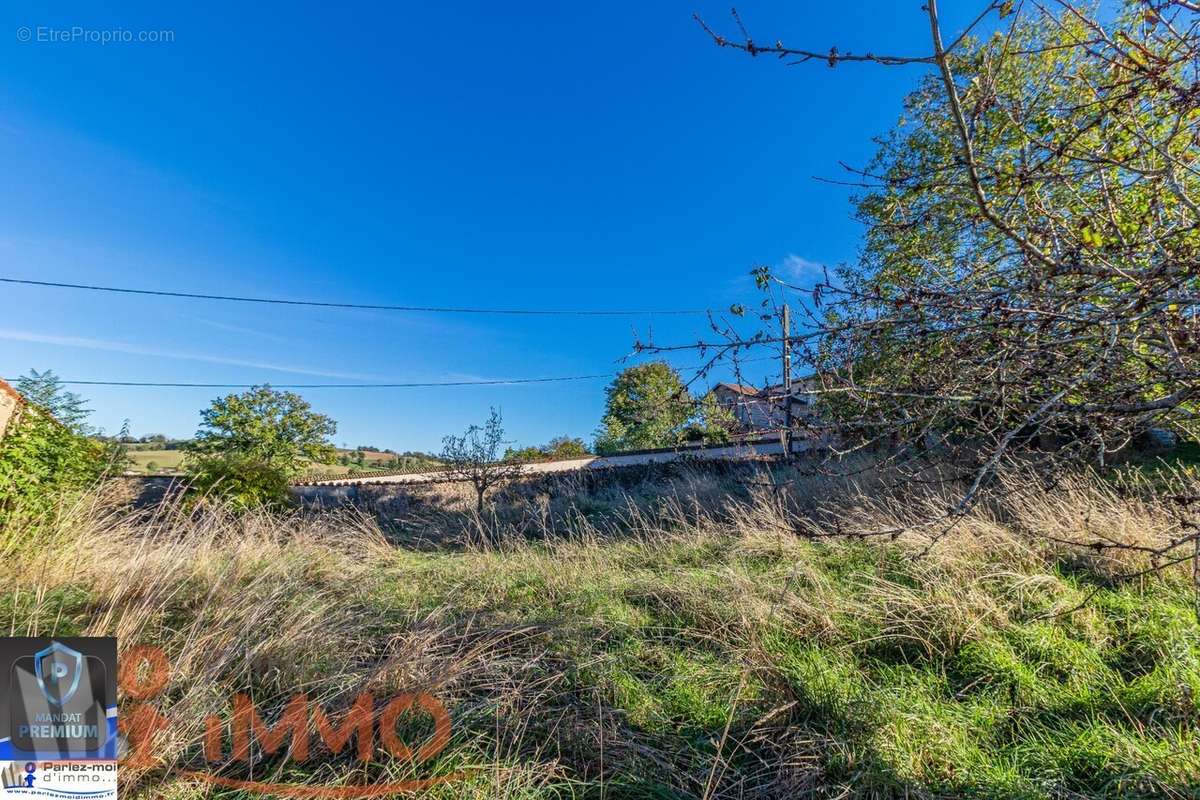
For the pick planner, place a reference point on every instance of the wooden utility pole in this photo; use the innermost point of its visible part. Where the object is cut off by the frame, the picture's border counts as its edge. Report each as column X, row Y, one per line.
column 787, row 383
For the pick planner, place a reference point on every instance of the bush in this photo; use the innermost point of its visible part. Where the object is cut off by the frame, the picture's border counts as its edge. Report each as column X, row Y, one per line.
column 244, row 481
column 42, row 461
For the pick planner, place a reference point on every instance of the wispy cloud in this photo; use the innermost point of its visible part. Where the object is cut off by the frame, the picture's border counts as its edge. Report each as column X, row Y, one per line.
column 797, row 269
column 238, row 329
column 792, row 269
column 155, row 352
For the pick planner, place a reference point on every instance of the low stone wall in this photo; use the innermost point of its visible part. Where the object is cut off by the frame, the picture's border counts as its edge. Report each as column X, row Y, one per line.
column 749, row 450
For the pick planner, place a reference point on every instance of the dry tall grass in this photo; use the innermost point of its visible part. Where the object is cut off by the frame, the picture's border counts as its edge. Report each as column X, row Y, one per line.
column 671, row 639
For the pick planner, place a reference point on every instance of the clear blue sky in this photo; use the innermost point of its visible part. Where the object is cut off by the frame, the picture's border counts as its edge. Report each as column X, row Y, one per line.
column 556, row 155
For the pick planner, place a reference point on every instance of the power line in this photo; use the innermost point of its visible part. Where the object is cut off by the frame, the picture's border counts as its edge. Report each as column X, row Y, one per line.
column 413, row 385
column 405, row 385
column 361, row 306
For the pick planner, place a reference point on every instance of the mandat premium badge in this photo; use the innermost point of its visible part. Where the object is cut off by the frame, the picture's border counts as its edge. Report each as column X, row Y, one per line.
column 58, row 718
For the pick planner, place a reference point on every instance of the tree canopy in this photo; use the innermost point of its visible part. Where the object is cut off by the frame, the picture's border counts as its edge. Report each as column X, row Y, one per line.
column 250, row 445
column 558, row 448
column 649, row 406
column 1031, row 267
column 1032, row 237
column 45, row 389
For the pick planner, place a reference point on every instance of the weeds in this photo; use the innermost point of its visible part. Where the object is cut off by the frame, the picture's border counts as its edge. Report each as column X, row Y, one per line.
column 600, row 655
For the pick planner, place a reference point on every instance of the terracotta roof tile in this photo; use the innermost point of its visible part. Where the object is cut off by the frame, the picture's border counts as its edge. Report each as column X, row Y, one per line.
column 5, row 388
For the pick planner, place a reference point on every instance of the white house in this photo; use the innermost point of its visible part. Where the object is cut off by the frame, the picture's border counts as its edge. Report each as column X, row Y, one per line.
column 763, row 409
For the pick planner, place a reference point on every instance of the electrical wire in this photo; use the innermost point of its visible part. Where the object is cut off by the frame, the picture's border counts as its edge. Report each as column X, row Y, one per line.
column 361, row 306
column 410, row 385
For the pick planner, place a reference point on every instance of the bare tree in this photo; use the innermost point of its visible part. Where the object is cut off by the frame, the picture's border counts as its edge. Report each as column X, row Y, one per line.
column 476, row 457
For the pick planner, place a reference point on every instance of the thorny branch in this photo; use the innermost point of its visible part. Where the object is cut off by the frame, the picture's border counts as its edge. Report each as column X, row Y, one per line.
column 1030, row 281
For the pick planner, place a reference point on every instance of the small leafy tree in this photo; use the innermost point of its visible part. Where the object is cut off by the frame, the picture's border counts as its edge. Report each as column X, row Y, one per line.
column 243, row 480
column 45, row 389
column 713, row 422
column 649, row 406
column 475, row 457
column 251, row 445
column 562, row 447
column 559, row 448
column 44, row 462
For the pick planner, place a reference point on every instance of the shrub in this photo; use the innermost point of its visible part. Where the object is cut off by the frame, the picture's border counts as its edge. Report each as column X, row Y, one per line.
column 245, row 481
column 42, row 462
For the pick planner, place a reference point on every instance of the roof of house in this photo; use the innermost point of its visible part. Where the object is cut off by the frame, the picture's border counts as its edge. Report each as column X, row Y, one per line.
column 762, row 392
column 5, row 388
column 737, row 388
column 752, row 391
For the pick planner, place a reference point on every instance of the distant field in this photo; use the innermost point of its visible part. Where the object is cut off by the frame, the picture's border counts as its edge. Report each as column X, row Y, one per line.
column 369, row 456
column 172, row 461
column 162, row 460
column 373, row 460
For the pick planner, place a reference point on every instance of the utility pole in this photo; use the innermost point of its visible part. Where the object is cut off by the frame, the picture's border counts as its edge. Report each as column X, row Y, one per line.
column 787, row 383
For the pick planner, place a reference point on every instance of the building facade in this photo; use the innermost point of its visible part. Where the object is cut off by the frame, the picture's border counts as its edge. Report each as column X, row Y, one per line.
column 764, row 408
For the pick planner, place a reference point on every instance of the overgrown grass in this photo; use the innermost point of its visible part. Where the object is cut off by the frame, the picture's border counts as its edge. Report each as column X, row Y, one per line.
column 685, row 645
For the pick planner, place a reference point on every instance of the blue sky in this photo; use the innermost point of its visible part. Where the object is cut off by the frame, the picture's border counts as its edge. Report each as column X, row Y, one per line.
column 551, row 155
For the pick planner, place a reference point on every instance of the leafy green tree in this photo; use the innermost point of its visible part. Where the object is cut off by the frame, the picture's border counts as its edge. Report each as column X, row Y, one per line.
column 649, row 406
column 46, row 389
column 1029, row 273
column 242, row 480
column 564, row 447
column 524, row 454
column 646, row 406
column 1049, row 283
column 560, row 448
column 713, row 422
column 45, row 461
column 251, row 445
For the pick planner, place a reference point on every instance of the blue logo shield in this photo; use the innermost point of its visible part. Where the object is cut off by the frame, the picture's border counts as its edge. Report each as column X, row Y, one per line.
column 58, row 669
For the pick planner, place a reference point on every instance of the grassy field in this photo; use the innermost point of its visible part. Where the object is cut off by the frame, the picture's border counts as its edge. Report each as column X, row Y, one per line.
column 160, row 460
column 667, row 636
column 374, row 460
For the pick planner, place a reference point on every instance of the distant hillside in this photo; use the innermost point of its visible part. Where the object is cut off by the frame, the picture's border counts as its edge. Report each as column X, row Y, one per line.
column 152, row 455
column 161, row 456
column 377, row 461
